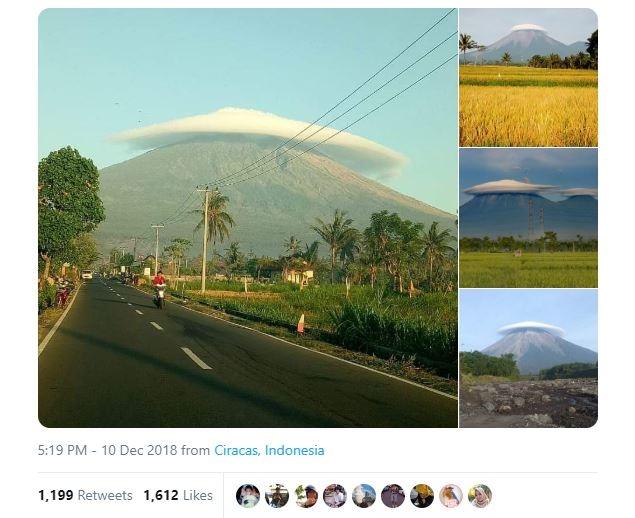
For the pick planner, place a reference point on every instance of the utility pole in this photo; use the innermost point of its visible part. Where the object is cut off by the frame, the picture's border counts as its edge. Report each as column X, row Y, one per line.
column 530, row 223
column 156, row 248
column 205, row 212
column 134, row 248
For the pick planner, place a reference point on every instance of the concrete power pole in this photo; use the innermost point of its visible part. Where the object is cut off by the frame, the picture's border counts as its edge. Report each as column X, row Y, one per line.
column 205, row 230
column 156, row 248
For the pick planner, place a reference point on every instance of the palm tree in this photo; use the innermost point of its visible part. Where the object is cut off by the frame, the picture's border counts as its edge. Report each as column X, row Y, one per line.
column 466, row 43
column 435, row 247
column 310, row 254
column 336, row 234
column 218, row 219
column 292, row 245
column 506, row 59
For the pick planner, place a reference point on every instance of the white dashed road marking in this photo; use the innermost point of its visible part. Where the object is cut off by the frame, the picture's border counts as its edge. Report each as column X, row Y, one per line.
column 196, row 359
column 138, row 312
column 157, row 326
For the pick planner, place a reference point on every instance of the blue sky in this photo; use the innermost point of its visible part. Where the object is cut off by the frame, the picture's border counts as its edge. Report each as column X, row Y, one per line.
column 565, row 25
column 103, row 71
column 484, row 311
column 563, row 167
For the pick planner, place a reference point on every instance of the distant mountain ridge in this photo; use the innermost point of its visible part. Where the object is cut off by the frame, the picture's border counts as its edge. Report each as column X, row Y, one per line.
column 507, row 214
column 267, row 209
column 537, row 349
column 522, row 45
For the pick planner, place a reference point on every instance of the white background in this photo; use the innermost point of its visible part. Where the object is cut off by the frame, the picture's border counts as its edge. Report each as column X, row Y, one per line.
column 530, row 471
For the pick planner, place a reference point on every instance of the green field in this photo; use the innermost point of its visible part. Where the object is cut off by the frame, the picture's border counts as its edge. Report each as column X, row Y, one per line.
column 531, row 270
column 376, row 321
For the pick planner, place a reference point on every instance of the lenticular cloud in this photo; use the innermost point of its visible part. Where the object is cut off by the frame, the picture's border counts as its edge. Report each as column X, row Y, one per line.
column 357, row 152
column 579, row 191
column 519, row 326
column 508, row 186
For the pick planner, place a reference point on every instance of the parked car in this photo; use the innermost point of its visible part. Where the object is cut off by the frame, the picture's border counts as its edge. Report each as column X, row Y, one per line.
column 87, row 274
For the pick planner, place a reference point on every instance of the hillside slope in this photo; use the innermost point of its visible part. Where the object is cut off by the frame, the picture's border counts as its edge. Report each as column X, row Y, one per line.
column 267, row 209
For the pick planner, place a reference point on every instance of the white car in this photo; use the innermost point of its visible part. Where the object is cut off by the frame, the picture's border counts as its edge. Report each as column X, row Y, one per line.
column 87, row 274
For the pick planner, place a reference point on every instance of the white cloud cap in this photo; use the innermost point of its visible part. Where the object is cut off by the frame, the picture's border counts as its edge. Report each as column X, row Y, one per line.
column 508, row 186
column 528, row 27
column 531, row 326
column 362, row 154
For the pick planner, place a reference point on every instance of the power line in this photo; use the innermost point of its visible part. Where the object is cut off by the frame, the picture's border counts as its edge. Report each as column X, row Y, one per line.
column 348, row 110
column 344, row 99
column 346, row 127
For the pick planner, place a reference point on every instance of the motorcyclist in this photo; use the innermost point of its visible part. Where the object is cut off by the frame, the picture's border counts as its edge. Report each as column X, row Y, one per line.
column 159, row 279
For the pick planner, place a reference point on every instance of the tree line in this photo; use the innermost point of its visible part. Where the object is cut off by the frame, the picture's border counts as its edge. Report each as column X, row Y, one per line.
column 548, row 242
column 581, row 60
column 405, row 252
column 478, row 364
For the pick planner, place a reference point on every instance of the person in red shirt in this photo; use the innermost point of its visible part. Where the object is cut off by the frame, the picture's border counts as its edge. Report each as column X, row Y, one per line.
column 158, row 278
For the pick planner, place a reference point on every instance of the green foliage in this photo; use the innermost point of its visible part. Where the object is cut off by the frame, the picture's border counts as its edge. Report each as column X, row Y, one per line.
column 68, row 200
column 479, row 364
column 375, row 320
column 81, row 251
column 529, row 270
column 570, row 370
column 219, row 221
column 46, row 297
column 375, row 329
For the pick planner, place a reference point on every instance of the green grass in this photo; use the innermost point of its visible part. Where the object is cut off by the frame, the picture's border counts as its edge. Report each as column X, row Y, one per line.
column 496, row 75
column 377, row 321
column 531, row 270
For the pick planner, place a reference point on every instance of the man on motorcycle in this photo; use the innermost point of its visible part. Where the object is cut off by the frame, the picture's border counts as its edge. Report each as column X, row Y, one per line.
column 158, row 279
column 159, row 285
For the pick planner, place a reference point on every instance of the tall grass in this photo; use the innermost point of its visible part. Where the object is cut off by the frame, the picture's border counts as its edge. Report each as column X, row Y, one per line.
column 385, row 331
column 376, row 320
column 531, row 270
column 522, row 106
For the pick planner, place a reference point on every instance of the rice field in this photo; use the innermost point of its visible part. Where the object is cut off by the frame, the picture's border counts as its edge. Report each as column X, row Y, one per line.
column 531, row 270
column 522, row 106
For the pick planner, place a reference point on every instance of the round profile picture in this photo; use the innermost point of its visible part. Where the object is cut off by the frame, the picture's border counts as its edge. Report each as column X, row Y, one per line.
column 334, row 495
column 451, row 495
column 307, row 496
column 479, row 495
column 392, row 495
column 421, row 495
column 277, row 496
column 247, row 496
column 363, row 496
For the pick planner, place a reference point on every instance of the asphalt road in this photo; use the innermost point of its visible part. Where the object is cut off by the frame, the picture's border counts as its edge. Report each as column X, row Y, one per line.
column 118, row 361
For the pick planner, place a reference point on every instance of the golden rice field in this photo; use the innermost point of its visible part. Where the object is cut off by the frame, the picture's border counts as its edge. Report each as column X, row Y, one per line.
column 531, row 270
column 522, row 106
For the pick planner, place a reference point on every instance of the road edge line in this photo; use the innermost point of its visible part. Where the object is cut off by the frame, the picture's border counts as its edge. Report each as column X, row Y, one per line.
column 413, row 383
column 57, row 324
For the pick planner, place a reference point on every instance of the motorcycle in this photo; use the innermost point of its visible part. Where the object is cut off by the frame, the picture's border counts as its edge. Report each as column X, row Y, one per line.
column 159, row 298
column 62, row 293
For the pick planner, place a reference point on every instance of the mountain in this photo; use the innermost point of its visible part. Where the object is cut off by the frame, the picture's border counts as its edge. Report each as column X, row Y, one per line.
column 522, row 43
column 535, row 349
column 507, row 214
column 267, row 209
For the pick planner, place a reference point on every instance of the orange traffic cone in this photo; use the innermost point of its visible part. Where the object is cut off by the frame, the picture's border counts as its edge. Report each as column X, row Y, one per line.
column 301, row 324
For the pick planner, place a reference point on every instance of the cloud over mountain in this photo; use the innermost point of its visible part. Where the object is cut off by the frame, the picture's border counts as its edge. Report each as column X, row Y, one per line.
column 508, row 186
column 358, row 153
